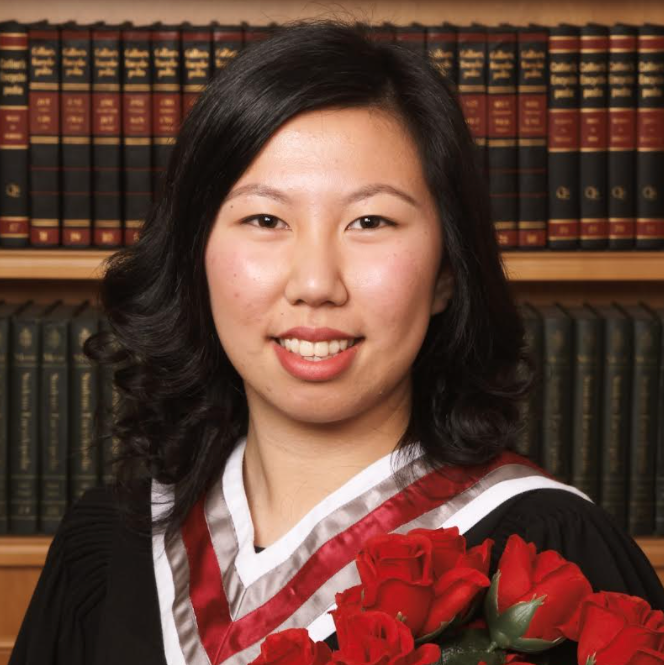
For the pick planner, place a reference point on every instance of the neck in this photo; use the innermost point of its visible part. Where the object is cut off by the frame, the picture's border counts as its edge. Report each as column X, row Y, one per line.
column 290, row 466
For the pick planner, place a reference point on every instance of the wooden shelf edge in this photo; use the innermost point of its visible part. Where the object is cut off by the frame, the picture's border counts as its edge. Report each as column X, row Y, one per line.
column 52, row 264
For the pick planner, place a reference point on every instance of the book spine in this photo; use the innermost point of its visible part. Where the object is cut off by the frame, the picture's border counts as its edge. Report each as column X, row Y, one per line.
column 442, row 48
column 615, row 410
column 532, row 133
column 76, row 133
column 227, row 42
column 593, row 137
column 44, row 123
column 563, row 140
column 197, row 62
column 14, row 146
column 586, row 369
column 659, row 462
column 24, row 429
column 502, row 154
column 136, row 130
column 4, row 423
column 650, row 139
column 643, row 434
column 54, row 424
column 528, row 439
column 106, row 137
column 166, row 101
column 556, row 410
column 622, row 136
column 472, row 85
column 84, row 460
column 412, row 37
column 377, row 33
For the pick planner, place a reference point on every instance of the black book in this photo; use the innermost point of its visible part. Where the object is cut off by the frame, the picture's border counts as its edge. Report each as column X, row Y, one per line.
column 442, row 48
column 593, row 137
column 557, row 392
column 586, row 392
column 227, row 42
column 84, row 452
column 563, row 143
column 622, row 136
column 14, row 181
column 197, row 58
column 24, row 419
column 615, row 409
column 412, row 37
column 647, row 334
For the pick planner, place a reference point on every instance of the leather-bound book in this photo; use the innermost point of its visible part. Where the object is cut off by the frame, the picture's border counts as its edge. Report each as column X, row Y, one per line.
column 563, row 144
column 196, row 62
column 44, row 123
column 650, row 139
column 412, row 37
column 532, row 104
column 76, row 118
column 136, row 129
column 593, row 137
column 502, row 154
column 622, row 136
column 14, row 146
column 227, row 42
column 385, row 32
column 442, row 48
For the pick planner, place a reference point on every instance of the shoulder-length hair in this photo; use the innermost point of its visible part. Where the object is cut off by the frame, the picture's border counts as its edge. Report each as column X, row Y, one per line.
column 182, row 404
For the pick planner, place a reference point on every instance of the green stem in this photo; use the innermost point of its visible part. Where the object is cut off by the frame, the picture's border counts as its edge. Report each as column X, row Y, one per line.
column 492, row 647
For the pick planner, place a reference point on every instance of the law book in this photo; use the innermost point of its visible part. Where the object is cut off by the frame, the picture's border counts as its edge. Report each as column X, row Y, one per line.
column 44, row 130
column 529, row 437
column 586, row 391
column 622, row 136
column 227, row 42
column 14, row 145
column 502, row 153
column 659, row 454
column 136, row 130
column 557, row 392
column 442, row 48
column 197, row 61
column 106, row 137
column 563, row 138
column 378, row 33
column 593, row 137
column 615, row 410
column 642, row 447
column 472, row 84
column 76, row 119
column 83, row 454
column 650, row 139
column 412, row 37
column 54, row 417
column 166, row 56
column 532, row 136
column 108, row 404
column 24, row 385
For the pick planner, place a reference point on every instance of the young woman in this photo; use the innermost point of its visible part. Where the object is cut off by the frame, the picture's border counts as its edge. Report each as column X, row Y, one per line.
column 314, row 342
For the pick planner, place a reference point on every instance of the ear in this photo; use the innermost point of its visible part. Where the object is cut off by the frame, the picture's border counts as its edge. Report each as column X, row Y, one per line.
column 443, row 291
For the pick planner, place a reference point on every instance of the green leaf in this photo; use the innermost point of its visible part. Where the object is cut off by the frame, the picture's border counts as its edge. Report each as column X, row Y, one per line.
column 591, row 660
column 469, row 647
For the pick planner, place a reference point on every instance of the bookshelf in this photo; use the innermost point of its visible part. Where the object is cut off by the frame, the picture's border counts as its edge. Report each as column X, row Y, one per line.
column 542, row 276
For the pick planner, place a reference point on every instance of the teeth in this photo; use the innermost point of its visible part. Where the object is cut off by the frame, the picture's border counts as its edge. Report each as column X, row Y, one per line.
column 316, row 351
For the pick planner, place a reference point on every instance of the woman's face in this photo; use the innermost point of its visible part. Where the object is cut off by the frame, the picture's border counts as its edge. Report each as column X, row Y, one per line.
column 332, row 226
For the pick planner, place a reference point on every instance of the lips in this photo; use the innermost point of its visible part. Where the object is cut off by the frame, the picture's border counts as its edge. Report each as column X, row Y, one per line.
column 316, row 334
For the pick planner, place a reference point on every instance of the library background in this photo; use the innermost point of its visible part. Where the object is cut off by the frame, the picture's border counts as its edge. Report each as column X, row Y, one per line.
column 566, row 102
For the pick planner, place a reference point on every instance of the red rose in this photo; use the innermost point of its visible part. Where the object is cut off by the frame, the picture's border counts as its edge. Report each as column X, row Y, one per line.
column 426, row 577
column 376, row 638
column 617, row 629
column 350, row 599
column 292, row 646
column 525, row 575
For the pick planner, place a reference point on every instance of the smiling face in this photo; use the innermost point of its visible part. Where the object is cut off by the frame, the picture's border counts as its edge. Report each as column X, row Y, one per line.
column 331, row 226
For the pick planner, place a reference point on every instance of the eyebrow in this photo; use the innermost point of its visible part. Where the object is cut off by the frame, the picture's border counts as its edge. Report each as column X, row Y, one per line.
column 358, row 195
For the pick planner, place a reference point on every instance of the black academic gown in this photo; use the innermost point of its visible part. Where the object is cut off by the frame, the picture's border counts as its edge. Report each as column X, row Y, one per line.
column 96, row 601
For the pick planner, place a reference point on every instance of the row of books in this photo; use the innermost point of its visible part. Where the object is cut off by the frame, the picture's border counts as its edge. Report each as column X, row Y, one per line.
column 568, row 121
column 595, row 418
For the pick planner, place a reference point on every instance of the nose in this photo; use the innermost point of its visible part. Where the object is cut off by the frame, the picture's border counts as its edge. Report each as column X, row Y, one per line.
column 316, row 272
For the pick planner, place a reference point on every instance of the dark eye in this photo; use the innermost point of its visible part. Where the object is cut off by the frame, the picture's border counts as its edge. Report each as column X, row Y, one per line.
column 264, row 221
column 370, row 222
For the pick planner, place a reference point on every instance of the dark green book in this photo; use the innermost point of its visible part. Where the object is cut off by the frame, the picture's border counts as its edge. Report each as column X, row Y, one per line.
column 83, row 453
column 659, row 454
column 54, row 416
column 23, row 419
column 647, row 332
column 108, row 398
column 557, row 392
column 528, row 439
column 586, row 384
column 615, row 410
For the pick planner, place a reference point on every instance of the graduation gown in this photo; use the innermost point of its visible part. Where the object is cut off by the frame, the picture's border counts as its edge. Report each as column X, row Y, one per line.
column 108, row 595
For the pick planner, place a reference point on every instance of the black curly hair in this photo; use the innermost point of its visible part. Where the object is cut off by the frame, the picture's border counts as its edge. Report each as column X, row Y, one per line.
column 182, row 404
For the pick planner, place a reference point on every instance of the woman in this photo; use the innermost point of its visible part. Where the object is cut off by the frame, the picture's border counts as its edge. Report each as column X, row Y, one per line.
column 318, row 286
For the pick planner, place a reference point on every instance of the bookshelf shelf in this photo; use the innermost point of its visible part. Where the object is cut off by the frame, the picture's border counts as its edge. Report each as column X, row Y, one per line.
column 35, row 264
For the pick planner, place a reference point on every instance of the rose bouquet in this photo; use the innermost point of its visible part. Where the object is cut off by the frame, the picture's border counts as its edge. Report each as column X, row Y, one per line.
column 425, row 598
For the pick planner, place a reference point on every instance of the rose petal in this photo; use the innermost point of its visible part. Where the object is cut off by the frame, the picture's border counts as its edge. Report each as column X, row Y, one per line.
column 515, row 567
